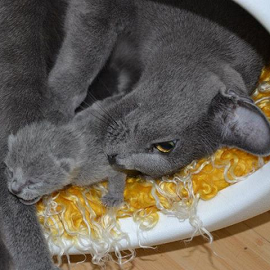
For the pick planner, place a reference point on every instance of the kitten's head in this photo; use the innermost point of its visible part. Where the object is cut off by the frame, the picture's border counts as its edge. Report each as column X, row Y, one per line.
column 32, row 168
column 157, row 135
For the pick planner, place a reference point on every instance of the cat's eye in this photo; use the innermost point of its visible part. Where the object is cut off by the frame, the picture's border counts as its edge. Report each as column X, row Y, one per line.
column 165, row 147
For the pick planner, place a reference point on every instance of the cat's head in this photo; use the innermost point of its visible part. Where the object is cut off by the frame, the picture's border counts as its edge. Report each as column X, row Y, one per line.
column 157, row 135
column 32, row 167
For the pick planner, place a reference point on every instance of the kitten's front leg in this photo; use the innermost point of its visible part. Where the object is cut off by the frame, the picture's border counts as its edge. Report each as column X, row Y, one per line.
column 116, row 186
column 90, row 38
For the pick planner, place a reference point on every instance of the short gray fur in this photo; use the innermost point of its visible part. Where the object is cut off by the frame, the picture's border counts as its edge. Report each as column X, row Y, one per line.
column 197, row 63
column 28, row 44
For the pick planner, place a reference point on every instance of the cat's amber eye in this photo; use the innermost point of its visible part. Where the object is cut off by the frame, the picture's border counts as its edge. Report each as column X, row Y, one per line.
column 165, row 147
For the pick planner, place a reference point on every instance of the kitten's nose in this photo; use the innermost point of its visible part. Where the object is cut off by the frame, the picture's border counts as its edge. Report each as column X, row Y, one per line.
column 112, row 159
column 16, row 189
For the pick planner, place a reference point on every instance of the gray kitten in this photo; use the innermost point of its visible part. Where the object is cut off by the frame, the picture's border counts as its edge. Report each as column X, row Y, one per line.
column 198, row 62
column 43, row 158
column 30, row 38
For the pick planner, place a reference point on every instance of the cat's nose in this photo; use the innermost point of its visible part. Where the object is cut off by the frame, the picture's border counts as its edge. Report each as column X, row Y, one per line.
column 112, row 159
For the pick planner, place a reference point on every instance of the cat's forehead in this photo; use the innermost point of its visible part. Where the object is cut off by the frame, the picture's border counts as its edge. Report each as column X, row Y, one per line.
column 162, row 120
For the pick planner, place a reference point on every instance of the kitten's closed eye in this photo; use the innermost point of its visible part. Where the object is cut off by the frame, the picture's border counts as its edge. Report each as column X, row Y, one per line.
column 165, row 147
column 8, row 172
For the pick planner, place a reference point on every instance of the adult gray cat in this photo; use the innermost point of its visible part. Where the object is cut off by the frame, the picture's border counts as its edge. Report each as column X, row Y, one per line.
column 43, row 158
column 197, row 60
column 29, row 41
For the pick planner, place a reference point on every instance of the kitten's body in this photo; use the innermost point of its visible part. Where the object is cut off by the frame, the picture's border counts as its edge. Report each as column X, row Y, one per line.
column 44, row 158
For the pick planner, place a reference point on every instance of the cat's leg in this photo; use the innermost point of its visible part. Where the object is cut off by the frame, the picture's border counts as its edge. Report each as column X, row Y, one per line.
column 22, row 84
column 22, row 233
column 5, row 259
column 116, row 186
column 90, row 38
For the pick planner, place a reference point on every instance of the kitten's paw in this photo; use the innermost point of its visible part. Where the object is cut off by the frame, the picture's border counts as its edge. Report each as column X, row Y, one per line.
column 111, row 201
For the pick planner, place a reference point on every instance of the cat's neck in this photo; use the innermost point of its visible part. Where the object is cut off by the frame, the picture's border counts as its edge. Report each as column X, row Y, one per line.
column 177, row 67
column 90, row 122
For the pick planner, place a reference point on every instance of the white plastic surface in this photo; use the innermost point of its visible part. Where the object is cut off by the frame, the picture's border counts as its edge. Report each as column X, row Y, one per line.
column 234, row 204
column 260, row 9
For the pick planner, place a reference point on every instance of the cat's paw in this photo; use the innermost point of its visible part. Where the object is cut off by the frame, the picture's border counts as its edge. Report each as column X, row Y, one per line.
column 111, row 201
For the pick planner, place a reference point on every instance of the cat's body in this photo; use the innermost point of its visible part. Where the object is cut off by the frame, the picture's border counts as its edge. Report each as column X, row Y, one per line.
column 28, row 46
column 155, row 39
column 44, row 158
column 196, row 64
column 190, row 95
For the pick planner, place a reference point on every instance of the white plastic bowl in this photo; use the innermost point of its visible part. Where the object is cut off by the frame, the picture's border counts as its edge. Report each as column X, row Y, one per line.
column 260, row 9
column 234, row 204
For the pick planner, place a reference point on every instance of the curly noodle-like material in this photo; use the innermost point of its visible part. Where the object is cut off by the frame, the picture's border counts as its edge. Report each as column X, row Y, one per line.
column 78, row 215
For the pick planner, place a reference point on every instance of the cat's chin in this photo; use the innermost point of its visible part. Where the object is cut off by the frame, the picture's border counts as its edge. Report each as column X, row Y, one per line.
column 30, row 202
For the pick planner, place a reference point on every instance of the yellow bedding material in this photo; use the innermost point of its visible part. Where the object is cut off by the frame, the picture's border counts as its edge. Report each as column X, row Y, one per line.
column 77, row 213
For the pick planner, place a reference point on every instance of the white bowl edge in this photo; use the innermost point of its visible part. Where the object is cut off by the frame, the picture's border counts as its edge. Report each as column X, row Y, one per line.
column 234, row 204
column 260, row 9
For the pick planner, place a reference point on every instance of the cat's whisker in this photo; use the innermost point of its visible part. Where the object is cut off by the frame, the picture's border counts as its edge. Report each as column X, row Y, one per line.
column 101, row 118
column 102, row 115
column 106, row 87
column 103, row 109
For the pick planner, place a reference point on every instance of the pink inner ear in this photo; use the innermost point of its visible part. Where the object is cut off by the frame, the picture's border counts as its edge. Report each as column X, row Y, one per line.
column 247, row 128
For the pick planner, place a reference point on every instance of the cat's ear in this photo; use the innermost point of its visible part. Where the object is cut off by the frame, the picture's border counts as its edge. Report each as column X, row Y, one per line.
column 67, row 164
column 11, row 140
column 240, row 123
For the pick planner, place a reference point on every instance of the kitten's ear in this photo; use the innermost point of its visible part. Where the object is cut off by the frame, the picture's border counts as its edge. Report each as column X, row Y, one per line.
column 240, row 123
column 11, row 140
column 67, row 164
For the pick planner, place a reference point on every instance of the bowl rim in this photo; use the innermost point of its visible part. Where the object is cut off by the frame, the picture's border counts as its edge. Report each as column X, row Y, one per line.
column 236, row 203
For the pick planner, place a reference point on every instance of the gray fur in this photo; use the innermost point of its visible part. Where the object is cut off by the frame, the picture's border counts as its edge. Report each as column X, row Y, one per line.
column 190, row 56
column 5, row 260
column 149, row 39
column 92, row 29
column 26, row 54
column 197, row 61
column 43, row 158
